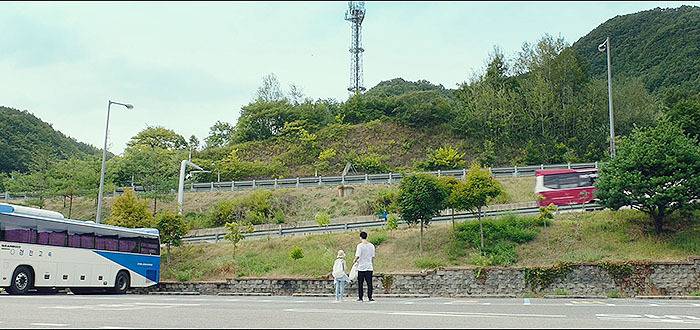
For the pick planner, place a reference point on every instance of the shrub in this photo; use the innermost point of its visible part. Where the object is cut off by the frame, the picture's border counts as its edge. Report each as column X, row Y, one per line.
column 561, row 292
column 323, row 219
column 239, row 208
column 130, row 211
column 296, row 253
column 392, row 223
column 614, row 294
column 279, row 217
column 443, row 158
column 501, row 237
column 371, row 163
column 378, row 238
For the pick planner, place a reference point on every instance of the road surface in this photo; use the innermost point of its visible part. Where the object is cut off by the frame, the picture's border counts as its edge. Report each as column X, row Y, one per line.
column 155, row 311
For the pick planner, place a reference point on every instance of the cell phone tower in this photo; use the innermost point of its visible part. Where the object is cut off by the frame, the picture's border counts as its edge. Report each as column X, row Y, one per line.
column 356, row 14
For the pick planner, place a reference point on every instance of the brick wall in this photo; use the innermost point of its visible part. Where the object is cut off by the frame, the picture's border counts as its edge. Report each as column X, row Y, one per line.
column 658, row 278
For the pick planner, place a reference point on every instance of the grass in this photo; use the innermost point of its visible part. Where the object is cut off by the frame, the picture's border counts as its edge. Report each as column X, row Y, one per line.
column 584, row 237
column 297, row 204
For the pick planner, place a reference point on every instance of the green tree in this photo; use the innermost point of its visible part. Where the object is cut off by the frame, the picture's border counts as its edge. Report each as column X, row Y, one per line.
column 220, row 135
column 158, row 137
column 236, row 232
column 74, row 177
column 420, row 199
column 130, row 211
column 477, row 191
column 656, row 169
column 686, row 114
column 443, row 158
column 172, row 228
column 448, row 184
column 322, row 219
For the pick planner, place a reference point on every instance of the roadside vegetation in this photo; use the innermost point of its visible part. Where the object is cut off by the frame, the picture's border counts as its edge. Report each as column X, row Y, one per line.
column 625, row 235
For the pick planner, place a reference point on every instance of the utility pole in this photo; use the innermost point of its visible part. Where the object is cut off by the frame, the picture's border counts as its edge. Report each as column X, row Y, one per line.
column 181, row 184
column 605, row 47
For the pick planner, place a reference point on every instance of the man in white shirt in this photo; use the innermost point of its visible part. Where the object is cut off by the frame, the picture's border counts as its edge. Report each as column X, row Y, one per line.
column 364, row 254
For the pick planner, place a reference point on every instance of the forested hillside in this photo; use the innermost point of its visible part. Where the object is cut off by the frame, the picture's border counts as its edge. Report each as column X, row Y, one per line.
column 28, row 143
column 660, row 46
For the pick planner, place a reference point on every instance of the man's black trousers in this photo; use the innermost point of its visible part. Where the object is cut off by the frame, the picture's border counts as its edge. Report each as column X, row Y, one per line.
column 364, row 277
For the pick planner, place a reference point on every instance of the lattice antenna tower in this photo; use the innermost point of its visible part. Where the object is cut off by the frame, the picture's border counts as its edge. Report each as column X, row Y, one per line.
column 355, row 15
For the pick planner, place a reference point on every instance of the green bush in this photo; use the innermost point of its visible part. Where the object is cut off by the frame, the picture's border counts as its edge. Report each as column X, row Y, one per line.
column 371, row 163
column 323, row 219
column 392, row 222
column 378, row 238
column 428, row 263
column 296, row 253
column 255, row 208
column 279, row 217
column 443, row 158
column 501, row 237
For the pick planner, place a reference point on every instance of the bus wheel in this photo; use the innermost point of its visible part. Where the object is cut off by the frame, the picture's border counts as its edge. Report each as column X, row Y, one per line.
column 22, row 281
column 121, row 285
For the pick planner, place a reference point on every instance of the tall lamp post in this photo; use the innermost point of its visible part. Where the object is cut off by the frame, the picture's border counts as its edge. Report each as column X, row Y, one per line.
column 181, row 183
column 98, row 218
column 605, row 47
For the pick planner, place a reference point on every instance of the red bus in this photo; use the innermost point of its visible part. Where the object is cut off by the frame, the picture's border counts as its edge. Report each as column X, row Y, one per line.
column 566, row 186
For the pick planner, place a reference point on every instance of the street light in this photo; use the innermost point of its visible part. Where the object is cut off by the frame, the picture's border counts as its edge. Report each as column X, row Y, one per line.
column 605, row 47
column 181, row 183
column 104, row 160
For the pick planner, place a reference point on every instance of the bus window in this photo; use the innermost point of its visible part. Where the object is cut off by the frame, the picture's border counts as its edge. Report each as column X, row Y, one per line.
column 109, row 243
column 58, row 238
column 567, row 181
column 74, row 240
column 43, row 238
column 87, row 241
column 128, row 244
column 19, row 234
column 551, row 181
column 150, row 246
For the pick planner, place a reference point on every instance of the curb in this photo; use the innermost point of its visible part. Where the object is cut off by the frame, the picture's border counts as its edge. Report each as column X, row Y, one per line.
column 574, row 297
column 484, row 296
column 240, row 294
column 175, row 293
column 669, row 297
column 379, row 295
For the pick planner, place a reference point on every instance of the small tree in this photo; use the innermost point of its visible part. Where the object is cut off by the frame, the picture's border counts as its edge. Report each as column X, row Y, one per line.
column 656, row 169
column 420, row 199
column 130, row 211
column 476, row 192
column 447, row 183
column 172, row 228
column 323, row 219
column 236, row 231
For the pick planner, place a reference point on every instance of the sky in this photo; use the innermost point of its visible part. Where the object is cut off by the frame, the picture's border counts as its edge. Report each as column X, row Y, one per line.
column 185, row 65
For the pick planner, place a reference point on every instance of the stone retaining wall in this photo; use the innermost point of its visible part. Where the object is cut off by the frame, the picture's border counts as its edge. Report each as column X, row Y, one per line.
column 658, row 278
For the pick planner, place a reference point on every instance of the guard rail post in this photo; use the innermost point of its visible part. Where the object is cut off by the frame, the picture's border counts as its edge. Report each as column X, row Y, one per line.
column 515, row 170
column 280, row 227
column 438, row 174
column 233, row 184
column 366, row 178
column 212, row 187
column 253, row 183
column 342, row 181
column 568, row 165
column 389, row 177
column 275, row 183
column 216, row 238
column 464, row 173
column 596, row 164
column 297, row 182
column 192, row 186
column 319, row 180
column 346, row 226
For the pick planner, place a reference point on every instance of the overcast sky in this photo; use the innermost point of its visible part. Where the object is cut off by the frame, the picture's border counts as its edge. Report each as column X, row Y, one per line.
column 186, row 65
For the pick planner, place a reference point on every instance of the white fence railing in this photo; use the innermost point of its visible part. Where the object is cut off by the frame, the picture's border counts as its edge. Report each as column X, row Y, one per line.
column 385, row 178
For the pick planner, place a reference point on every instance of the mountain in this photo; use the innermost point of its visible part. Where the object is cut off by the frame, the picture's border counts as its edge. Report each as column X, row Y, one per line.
column 660, row 46
column 27, row 140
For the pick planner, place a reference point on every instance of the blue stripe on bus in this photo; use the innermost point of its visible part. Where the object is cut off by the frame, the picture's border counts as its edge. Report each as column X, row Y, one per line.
column 144, row 265
column 6, row 209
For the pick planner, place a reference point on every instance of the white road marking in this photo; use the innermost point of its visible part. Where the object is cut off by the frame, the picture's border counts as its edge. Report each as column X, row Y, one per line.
column 685, row 319
column 48, row 324
column 412, row 313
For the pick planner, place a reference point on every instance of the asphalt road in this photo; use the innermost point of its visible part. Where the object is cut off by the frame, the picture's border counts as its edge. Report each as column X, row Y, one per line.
column 152, row 311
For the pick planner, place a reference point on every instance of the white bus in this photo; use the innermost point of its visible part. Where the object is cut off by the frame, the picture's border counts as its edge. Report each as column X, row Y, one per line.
column 42, row 251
